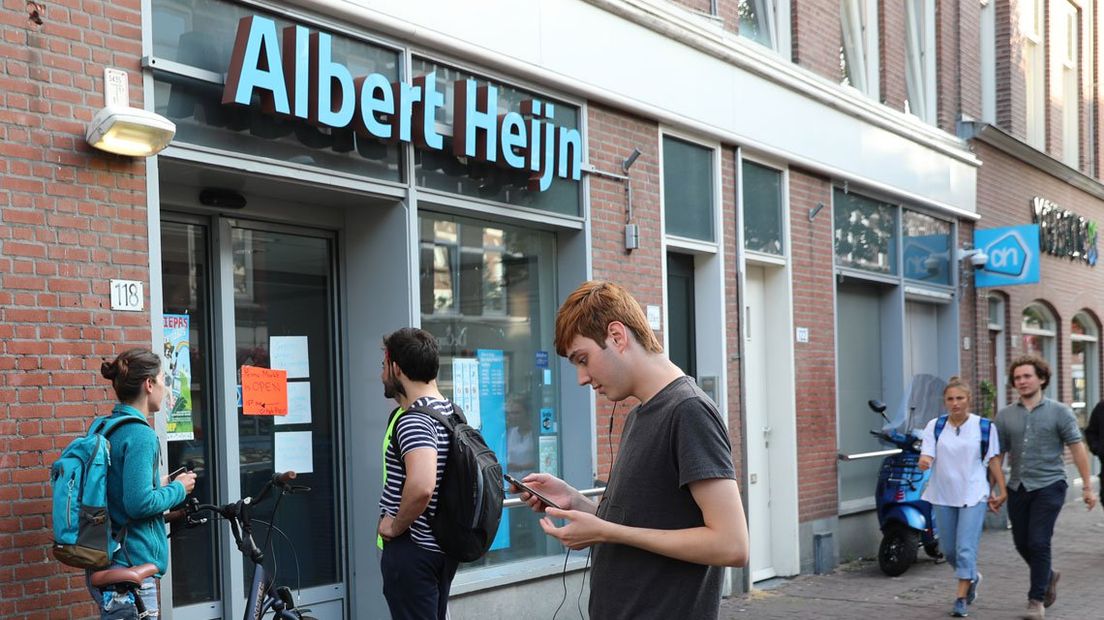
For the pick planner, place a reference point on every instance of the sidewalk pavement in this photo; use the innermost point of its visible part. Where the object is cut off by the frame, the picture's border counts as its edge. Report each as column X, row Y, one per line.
column 859, row 590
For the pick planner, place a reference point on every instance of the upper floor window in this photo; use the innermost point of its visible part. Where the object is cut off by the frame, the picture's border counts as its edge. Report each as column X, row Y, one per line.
column 1032, row 27
column 757, row 21
column 688, row 189
column 859, row 53
column 920, row 62
column 1068, row 31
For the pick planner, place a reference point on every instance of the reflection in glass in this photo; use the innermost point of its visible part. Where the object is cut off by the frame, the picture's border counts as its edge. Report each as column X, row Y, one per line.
column 756, row 20
column 186, row 281
column 865, row 233
column 927, row 248
column 201, row 34
column 495, row 340
column 688, row 189
column 1083, row 366
column 762, row 208
column 291, row 294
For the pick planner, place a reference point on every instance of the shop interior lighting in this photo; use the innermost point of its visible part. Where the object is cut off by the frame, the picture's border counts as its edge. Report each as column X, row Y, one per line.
column 133, row 132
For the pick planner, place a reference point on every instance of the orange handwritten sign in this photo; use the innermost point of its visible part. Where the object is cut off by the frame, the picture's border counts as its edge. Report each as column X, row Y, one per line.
column 264, row 391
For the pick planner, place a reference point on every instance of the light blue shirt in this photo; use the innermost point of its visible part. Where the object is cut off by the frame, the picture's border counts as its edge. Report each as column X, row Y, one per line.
column 1037, row 440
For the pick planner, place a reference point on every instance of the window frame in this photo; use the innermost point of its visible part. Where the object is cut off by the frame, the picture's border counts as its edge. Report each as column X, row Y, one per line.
column 859, row 29
column 1033, row 33
column 1049, row 336
column 920, row 60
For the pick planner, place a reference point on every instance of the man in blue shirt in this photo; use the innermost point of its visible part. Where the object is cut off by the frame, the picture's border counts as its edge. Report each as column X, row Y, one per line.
column 1035, row 431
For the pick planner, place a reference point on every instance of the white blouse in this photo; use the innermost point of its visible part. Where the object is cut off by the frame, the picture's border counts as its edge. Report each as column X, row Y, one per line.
column 958, row 473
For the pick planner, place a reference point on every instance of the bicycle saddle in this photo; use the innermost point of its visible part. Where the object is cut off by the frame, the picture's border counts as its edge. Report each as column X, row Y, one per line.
column 134, row 574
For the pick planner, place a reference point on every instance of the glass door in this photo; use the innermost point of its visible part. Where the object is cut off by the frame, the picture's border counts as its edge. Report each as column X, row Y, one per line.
column 284, row 318
column 244, row 295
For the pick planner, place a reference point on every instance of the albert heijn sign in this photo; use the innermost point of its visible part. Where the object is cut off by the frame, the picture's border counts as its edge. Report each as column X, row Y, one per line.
column 301, row 79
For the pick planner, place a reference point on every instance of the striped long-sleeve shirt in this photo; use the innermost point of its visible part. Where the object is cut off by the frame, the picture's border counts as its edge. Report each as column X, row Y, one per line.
column 415, row 430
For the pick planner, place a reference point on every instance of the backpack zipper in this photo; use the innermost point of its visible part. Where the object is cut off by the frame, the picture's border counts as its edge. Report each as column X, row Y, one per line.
column 69, row 502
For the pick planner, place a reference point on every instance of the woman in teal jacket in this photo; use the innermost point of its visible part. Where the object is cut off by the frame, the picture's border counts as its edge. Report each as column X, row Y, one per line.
column 138, row 495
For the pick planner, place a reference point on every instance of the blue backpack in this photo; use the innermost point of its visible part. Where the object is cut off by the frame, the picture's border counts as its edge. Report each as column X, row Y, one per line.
column 986, row 428
column 82, row 525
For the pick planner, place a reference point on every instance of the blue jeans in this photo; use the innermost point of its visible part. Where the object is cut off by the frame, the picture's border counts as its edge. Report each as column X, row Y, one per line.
column 416, row 581
column 120, row 605
column 1033, row 514
column 959, row 531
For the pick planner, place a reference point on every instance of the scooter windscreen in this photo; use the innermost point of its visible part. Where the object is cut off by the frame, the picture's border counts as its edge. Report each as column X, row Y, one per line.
column 922, row 402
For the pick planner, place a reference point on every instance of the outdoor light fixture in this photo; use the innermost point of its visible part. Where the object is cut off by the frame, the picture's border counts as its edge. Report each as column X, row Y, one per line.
column 134, row 132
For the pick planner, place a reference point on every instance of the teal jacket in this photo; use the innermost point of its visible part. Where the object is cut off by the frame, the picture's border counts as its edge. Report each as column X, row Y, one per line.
column 135, row 496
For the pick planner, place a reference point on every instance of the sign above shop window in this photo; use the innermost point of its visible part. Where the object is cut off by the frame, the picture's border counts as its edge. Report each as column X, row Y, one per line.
column 1012, row 255
column 1064, row 233
column 302, row 79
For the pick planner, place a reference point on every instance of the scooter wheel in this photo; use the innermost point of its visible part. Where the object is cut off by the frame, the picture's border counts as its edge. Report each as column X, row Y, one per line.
column 898, row 549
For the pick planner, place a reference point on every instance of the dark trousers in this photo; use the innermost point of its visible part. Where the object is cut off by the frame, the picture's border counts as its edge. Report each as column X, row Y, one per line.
column 416, row 581
column 1033, row 514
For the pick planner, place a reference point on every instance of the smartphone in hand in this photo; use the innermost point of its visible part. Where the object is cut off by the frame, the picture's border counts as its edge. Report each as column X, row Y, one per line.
column 519, row 484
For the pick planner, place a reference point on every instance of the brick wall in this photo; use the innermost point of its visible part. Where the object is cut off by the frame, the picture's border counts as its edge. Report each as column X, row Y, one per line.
column 611, row 137
column 967, row 99
column 893, row 45
column 1011, row 106
column 1005, row 189
column 732, row 308
column 815, row 32
column 71, row 220
column 813, row 292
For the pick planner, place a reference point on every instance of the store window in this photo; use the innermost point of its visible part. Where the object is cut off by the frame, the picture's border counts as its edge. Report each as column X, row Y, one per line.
column 1084, row 366
column 762, row 203
column 859, row 51
column 1040, row 336
column 439, row 169
column 194, row 40
column 865, row 233
column 488, row 295
column 920, row 59
column 688, row 193
column 1033, row 31
column 927, row 248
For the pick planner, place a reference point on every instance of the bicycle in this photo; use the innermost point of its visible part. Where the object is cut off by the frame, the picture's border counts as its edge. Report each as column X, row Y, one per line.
column 264, row 596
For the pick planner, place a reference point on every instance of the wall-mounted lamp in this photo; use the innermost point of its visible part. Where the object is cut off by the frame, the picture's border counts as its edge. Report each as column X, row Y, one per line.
column 630, row 160
column 813, row 212
column 130, row 131
column 123, row 130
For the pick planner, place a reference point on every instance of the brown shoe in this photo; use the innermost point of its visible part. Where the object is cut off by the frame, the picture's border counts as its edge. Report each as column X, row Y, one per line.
column 1052, row 589
column 1035, row 611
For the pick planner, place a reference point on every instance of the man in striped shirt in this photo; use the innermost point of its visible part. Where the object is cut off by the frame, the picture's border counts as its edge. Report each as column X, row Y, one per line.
column 416, row 574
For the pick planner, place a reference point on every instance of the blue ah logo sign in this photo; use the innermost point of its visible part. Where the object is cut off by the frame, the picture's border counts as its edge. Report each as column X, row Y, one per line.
column 1013, row 255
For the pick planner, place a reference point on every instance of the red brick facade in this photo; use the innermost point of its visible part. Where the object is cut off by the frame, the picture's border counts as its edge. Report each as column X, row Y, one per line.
column 72, row 220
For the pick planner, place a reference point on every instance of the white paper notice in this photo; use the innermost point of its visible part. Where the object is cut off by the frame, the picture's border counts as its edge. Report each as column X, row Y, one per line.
column 465, row 388
column 294, row 452
column 289, row 353
column 299, row 404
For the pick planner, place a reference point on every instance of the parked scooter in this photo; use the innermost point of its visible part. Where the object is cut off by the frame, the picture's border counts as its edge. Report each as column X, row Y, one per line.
column 905, row 519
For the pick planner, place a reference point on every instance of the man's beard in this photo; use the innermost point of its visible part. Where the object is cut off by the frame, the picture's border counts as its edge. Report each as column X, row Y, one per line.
column 393, row 387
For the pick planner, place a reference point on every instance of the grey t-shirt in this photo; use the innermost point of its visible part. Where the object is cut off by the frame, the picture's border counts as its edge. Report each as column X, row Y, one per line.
column 1036, row 439
column 674, row 439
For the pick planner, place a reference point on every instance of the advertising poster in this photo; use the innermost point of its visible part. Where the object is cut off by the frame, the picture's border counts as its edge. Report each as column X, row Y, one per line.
column 492, row 410
column 549, row 460
column 465, row 388
column 178, row 377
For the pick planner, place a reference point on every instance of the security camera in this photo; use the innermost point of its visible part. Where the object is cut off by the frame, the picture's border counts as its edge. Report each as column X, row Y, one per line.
column 979, row 259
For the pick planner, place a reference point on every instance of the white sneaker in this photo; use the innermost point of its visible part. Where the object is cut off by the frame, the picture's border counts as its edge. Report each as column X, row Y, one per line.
column 1035, row 611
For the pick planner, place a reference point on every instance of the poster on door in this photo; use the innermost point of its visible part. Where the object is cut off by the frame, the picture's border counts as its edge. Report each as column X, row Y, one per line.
column 178, row 378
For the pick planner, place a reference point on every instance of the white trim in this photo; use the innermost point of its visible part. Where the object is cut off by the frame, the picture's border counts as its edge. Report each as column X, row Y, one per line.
column 923, row 294
column 693, row 246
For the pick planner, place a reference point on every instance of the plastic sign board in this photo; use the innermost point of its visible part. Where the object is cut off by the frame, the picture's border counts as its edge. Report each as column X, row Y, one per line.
column 294, row 74
column 264, row 391
column 1013, row 256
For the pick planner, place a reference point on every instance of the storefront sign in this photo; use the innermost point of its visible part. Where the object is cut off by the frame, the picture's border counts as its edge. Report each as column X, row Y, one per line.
column 1064, row 233
column 1013, row 255
column 301, row 79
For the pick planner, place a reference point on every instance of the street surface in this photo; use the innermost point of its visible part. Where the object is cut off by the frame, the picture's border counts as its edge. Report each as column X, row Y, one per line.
column 859, row 590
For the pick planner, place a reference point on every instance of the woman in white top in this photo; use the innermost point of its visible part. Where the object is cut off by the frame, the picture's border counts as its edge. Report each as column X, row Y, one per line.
column 959, row 487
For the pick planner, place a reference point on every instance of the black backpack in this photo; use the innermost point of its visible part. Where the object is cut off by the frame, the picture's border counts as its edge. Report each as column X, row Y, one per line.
column 469, row 500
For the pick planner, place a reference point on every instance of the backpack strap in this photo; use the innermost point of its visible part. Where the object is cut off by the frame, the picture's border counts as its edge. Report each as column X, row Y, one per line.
column 986, row 429
column 940, row 424
column 449, row 421
column 107, row 425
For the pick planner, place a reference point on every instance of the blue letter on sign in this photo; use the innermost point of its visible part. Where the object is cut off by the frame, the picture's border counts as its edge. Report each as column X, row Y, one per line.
column 326, row 71
column 256, row 34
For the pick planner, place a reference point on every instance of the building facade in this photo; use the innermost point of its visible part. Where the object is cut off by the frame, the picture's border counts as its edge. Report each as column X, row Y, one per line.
column 781, row 184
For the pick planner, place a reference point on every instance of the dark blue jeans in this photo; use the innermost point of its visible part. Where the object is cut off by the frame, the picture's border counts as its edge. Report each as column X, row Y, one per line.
column 1033, row 514
column 416, row 581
